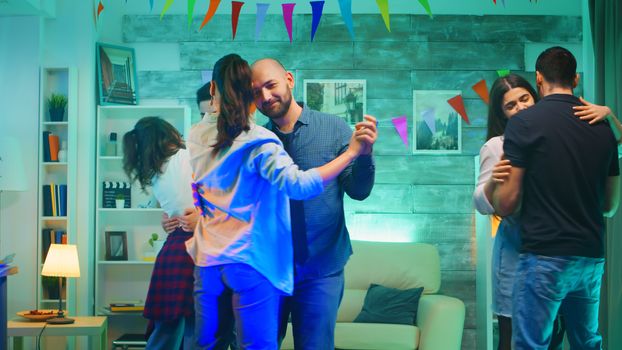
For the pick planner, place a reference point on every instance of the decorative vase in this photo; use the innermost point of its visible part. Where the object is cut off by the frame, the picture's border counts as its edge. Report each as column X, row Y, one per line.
column 119, row 203
column 62, row 154
column 57, row 114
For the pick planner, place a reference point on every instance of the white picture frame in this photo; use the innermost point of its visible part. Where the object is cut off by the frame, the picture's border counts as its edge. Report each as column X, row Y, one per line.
column 345, row 98
column 444, row 135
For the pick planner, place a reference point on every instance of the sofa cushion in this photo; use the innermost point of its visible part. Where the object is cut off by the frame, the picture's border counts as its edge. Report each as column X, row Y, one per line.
column 389, row 305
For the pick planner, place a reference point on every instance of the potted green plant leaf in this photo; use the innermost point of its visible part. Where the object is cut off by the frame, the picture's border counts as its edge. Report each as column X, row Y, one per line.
column 119, row 201
column 57, row 104
column 156, row 243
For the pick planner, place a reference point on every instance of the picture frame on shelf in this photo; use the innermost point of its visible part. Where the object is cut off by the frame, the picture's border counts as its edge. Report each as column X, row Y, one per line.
column 116, row 245
column 116, row 75
column 345, row 98
column 437, row 127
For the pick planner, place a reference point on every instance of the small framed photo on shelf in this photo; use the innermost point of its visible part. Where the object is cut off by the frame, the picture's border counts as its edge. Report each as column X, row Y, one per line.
column 437, row 126
column 116, row 75
column 346, row 99
column 116, row 245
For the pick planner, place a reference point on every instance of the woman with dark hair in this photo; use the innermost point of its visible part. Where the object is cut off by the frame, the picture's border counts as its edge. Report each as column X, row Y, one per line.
column 508, row 96
column 154, row 154
column 242, row 246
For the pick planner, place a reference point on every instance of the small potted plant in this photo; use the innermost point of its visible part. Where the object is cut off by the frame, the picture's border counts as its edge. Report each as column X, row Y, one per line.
column 156, row 243
column 57, row 104
column 119, row 201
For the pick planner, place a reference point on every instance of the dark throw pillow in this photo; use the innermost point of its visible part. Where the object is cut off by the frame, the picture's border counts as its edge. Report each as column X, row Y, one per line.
column 389, row 305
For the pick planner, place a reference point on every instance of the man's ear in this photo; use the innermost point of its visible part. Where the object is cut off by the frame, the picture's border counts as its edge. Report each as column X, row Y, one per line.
column 575, row 82
column 539, row 78
column 290, row 79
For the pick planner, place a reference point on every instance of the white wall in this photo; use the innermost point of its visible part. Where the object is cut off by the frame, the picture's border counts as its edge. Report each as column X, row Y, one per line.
column 19, row 108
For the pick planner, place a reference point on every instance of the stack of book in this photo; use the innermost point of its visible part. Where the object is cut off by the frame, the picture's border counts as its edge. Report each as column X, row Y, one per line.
column 54, row 200
column 131, row 306
column 49, row 236
column 50, row 147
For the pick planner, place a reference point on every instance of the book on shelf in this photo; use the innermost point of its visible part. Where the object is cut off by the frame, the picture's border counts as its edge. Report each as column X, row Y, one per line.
column 46, row 146
column 54, row 200
column 54, row 147
column 49, row 236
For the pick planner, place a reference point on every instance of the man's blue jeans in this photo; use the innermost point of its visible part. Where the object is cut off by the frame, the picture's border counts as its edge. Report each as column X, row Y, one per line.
column 546, row 284
column 313, row 309
column 223, row 293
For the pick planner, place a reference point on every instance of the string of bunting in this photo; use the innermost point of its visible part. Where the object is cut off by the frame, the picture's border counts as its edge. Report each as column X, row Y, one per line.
column 345, row 8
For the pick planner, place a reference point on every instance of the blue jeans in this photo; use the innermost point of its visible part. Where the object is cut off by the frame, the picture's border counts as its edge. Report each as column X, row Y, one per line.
column 546, row 284
column 229, row 292
column 313, row 309
column 169, row 334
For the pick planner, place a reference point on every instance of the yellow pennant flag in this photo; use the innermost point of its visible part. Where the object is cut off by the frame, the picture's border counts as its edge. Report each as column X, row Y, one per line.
column 383, row 5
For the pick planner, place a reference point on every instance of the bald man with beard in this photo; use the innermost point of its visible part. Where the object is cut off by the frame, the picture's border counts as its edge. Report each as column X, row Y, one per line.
column 320, row 237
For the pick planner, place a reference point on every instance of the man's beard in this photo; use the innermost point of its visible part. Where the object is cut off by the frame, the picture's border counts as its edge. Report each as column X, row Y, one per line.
column 280, row 112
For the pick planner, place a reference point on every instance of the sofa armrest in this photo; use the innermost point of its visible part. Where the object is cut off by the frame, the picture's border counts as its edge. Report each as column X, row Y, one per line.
column 441, row 321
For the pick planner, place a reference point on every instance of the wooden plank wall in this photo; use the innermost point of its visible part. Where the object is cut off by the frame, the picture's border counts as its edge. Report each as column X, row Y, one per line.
column 416, row 197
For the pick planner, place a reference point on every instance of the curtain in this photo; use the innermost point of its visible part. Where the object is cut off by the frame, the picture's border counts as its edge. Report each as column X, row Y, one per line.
column 606, row 24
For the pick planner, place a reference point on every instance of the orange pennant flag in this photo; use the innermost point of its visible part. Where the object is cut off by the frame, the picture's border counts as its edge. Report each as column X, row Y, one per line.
column 482, row 90
column 211, row 10
column 100, row 8
column 457, row 103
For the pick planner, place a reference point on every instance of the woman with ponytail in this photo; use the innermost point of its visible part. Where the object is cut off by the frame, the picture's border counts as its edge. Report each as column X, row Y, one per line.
column 242, row 246
column 154, row 154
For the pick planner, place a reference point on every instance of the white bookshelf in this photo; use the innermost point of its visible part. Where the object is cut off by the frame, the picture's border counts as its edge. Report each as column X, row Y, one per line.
column 57, row 80
column 126, row 279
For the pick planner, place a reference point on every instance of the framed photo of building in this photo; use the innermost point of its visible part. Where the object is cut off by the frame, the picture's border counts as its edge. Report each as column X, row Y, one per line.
column 116, row 75
column 437, row 126
column 116, row 245
column 346, row 99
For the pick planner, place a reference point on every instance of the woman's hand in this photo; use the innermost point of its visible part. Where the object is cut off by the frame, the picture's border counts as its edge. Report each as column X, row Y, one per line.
column 189, row 220
column 169, row 224
column 591, row 112
column 501, row 171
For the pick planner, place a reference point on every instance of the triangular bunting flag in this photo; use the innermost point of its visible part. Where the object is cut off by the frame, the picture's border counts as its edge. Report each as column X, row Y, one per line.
column 190, row 11
column 100, row 8
column 206, row 76
column 429, row 117
column 211, row 10
column 288, row 11
column 426, row 6
column 316, row 9
column 401, row 125
column 262, row 9
column 345, row 6
column 457, row 103
column 150, row 5
column 494, row 1
column 165, row 8
column 503, row 72
column 482, row 90
column 94, row 14
column 236, row 7
column 383, row 5
column 503, row 2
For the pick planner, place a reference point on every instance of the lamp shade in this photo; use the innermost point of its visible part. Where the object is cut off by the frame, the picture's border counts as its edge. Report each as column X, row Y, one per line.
column 12, row 172
column 62, row 261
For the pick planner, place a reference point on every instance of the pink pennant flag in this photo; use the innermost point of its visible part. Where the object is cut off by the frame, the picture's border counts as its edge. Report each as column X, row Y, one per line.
column 288, row 10
column 457, row 103
column 166, row 7
column 383, row 6
column 316, row 10
column 401, row 125
column 236, row 7
column 429, row 117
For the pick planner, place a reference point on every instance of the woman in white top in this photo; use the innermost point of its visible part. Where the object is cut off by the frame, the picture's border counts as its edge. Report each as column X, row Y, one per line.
column 154, row 154
column 508, row 96
column 242, row 246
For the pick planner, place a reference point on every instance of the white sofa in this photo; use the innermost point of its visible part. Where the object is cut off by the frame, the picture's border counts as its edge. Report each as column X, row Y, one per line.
column 440, row 319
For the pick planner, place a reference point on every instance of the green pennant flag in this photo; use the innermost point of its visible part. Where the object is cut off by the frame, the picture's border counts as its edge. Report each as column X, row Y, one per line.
column 383, row 5
column 426, row 6
column 503, row 72
column 190, row 11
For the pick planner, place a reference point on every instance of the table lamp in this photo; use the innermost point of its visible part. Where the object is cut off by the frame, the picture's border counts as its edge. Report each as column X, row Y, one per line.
column 61, row 261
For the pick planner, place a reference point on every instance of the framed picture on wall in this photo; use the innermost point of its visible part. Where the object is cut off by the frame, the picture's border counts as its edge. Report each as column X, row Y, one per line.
column 116, row 245
column 116, row 75
column 346, row 99
column 437, row 126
